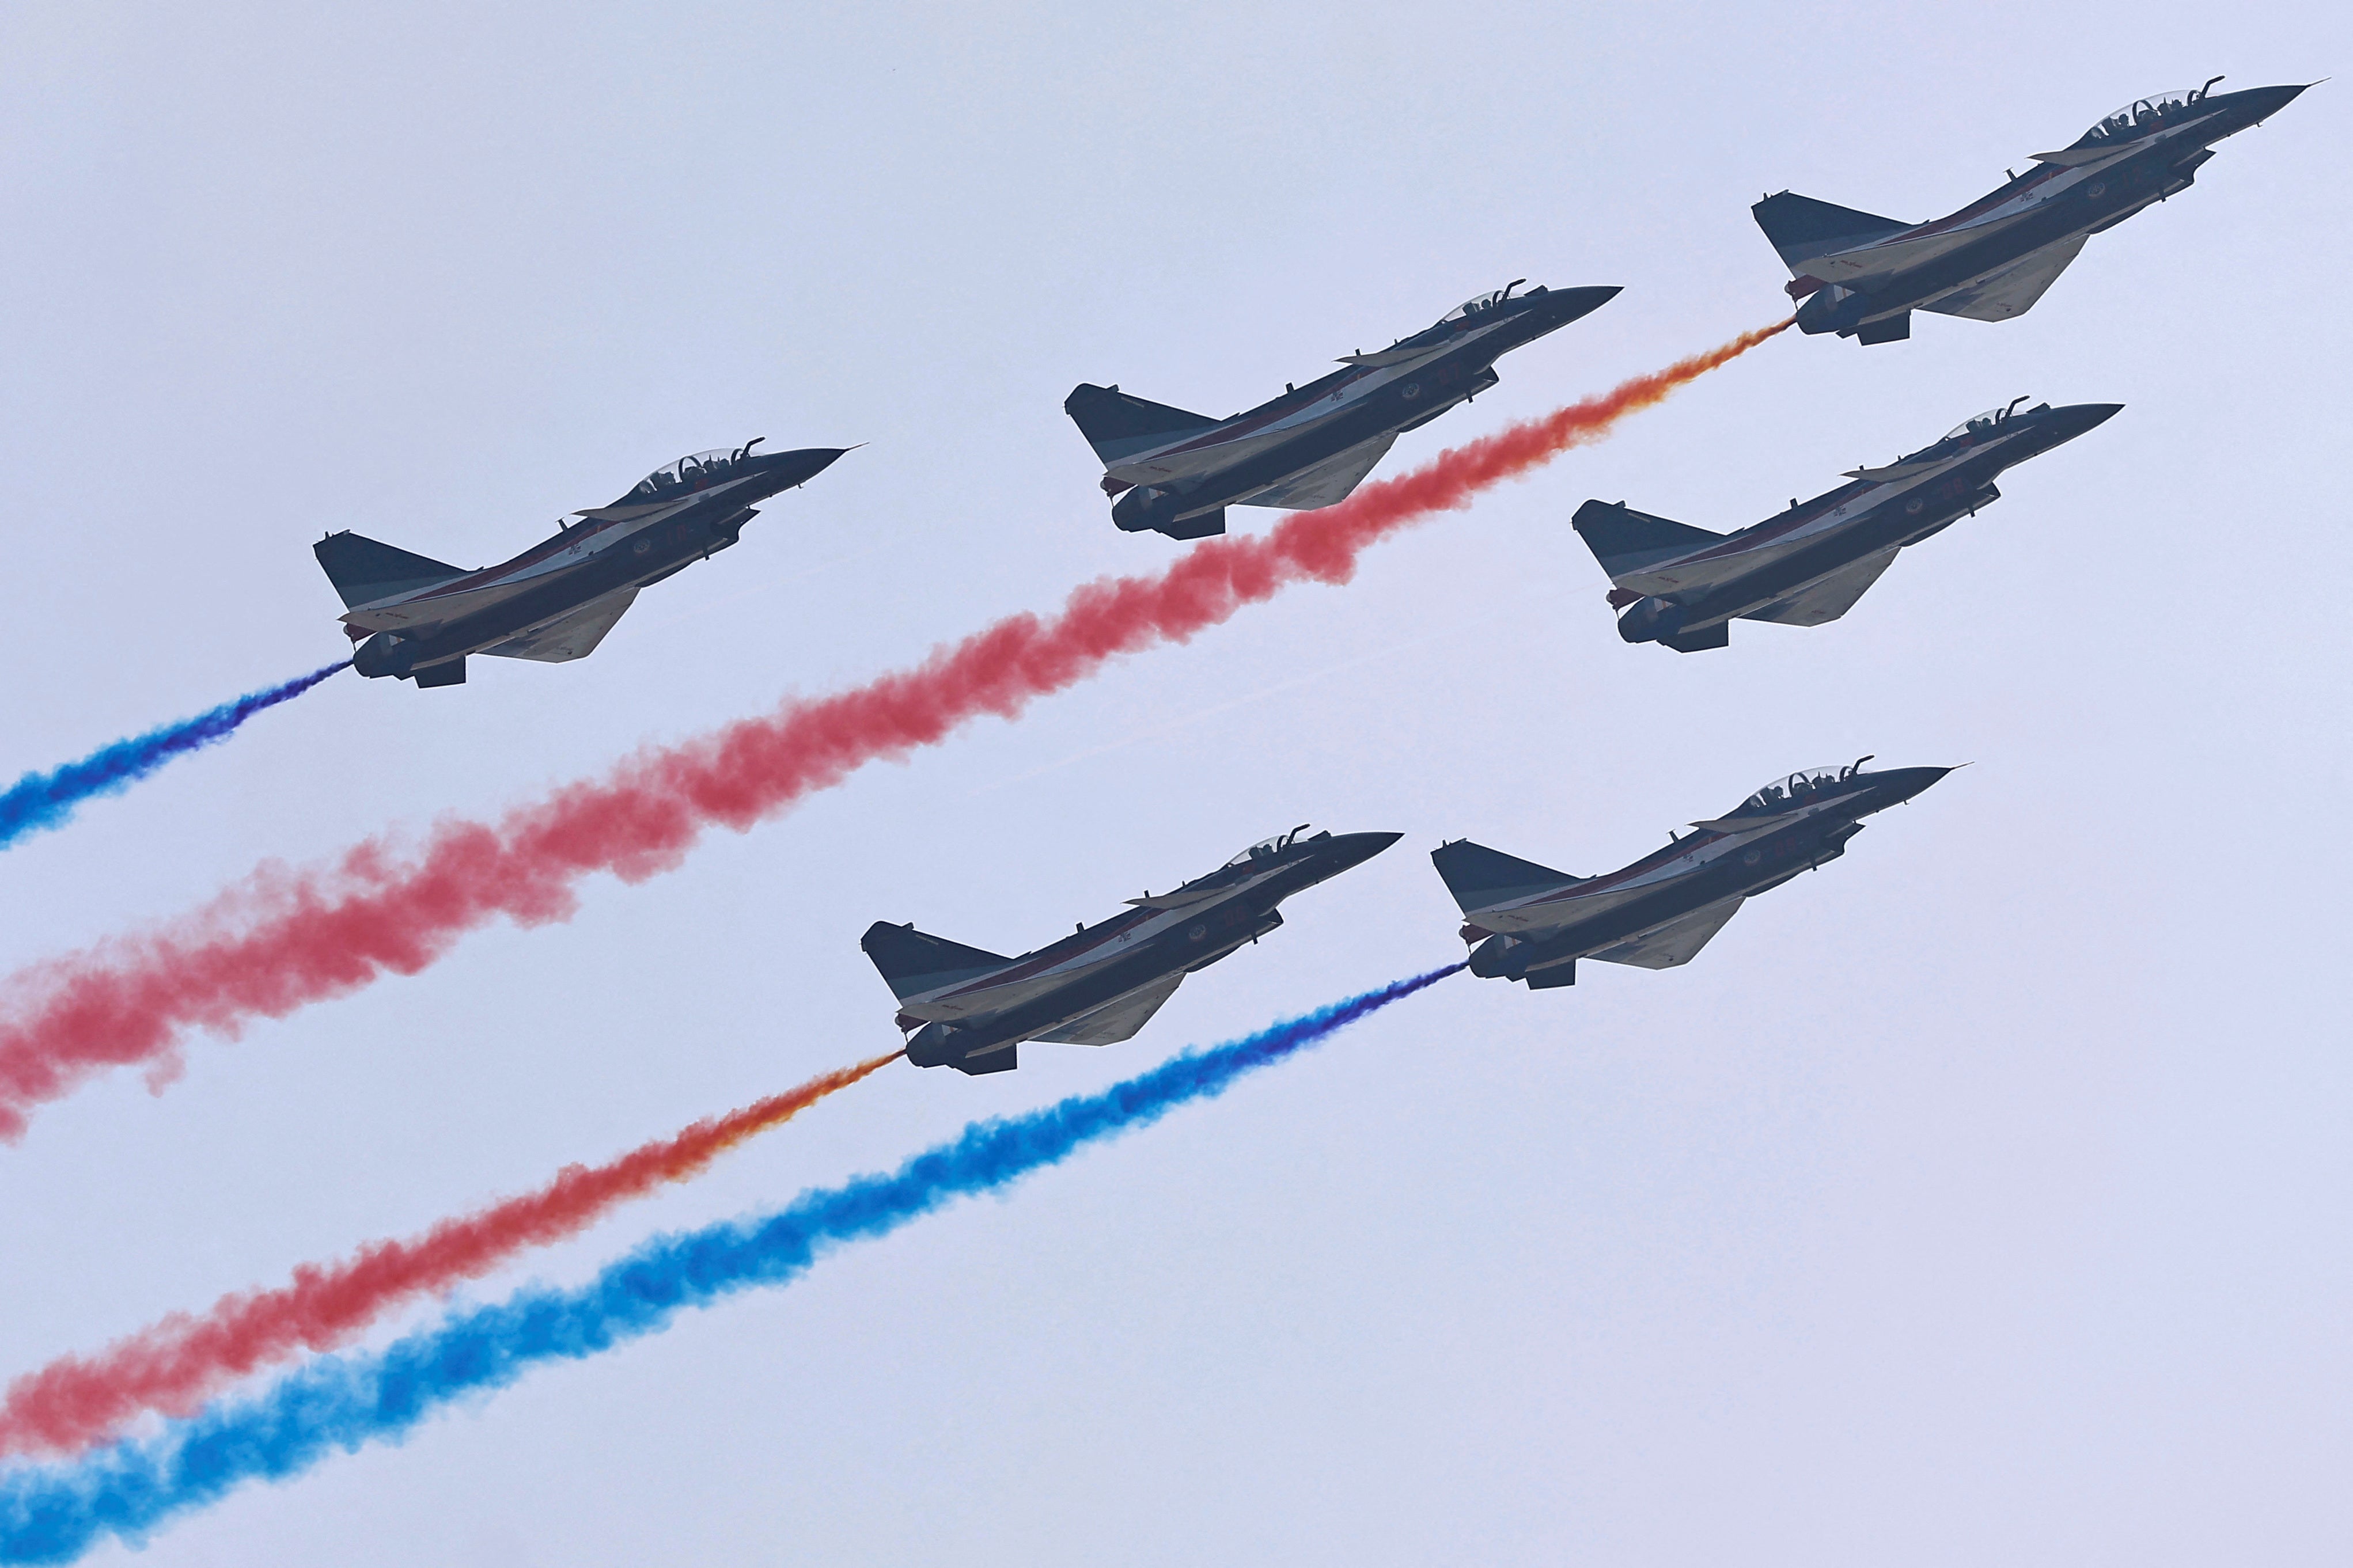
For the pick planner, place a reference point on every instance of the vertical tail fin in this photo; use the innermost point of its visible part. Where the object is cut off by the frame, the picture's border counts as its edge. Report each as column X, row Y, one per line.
column 1481, row 878
column 1118, row 427
column 1802, row 228
column 1624, row 540
column 364, row 571
column 913, row 963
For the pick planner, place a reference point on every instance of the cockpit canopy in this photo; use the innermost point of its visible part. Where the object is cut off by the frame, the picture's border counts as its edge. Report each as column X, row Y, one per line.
column 1804, row 782
column 1980, row 425
column 1267, row 849
column 698, row 470
column 2144, row 114
column 1481, row 304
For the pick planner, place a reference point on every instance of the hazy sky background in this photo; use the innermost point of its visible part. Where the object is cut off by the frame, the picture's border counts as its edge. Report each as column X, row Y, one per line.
column 1981, row 1198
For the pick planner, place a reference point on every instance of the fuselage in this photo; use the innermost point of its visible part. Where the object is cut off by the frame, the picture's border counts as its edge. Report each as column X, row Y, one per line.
column 2104, row 179
column 1758, row 847
column 1376, row 396
column 1886, row 510
column 645, row 536
column 1152, row 943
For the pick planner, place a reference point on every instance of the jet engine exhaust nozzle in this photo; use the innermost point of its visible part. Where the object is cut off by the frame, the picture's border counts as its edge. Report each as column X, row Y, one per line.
column 380, row 655
column 1651, row 620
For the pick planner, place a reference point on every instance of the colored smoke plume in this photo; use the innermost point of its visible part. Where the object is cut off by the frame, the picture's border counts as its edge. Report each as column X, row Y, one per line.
column 175, row 1365
column 280, row 941
column 55, row 1514
column 40, row 801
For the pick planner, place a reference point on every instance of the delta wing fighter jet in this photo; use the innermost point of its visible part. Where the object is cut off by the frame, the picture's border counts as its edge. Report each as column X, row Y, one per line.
column 969, row 1009
column 1175, row 473
column 420, row 617
column 1861, row 275
column 1529, row 923
column 1683, row 586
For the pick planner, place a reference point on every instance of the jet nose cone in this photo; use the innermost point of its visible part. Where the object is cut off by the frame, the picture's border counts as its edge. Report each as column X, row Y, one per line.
column 2263, row 102
column 1565, row 305
column 1347, row 849
column 2071, row 421
column 1899, row 785
column 800, row 467
column 817, row 459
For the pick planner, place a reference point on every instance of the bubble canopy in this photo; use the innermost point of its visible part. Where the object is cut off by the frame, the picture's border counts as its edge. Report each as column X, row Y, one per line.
column 2142, row 114
column 1481, row 304
column 695, row 471
column 1797, row 787
column 1267, row 849
column 1981, row 424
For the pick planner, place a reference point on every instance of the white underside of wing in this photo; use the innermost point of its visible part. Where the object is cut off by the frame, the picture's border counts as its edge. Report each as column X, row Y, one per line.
column 568, row 636
column 1544, row 912
column 1163, row 468
column 1119, row 1020
column 1826, row 598
column 425, row 612
column 1999, row 296
column 1330, row 481
column 1678, row 941
column 1868, row 263
column 1692, row 576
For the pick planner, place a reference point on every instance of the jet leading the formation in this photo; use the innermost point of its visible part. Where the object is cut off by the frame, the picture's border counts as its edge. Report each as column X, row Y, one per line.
column 1528, row 922
column 1175, row 473
column 1861, row 275
column 1683, row 586
column 969, row 1009
column 420, row 617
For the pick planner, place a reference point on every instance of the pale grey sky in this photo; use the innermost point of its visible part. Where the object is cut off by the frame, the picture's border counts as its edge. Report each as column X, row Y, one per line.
column 1981, row 1198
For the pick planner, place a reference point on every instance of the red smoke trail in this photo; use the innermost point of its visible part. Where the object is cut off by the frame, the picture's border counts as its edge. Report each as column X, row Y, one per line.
column 282, row 941
column 175, row 1366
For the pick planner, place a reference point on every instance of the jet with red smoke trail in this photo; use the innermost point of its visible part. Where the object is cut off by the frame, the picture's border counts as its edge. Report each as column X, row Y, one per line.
column 1175, row 473
column 1861, row 275
column 1684, row 586
column 969, row 1009
column 421, row 618
column 1531, row 923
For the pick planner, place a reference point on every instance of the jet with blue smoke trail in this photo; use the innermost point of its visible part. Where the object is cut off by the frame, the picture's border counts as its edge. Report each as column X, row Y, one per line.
column 970, row 1009
column 39, row 801
column 1531, row 923
column 56, row 1513
column 553, row 602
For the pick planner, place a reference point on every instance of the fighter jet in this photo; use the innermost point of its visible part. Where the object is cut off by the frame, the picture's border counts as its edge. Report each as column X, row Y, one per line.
column 1861, row 275
column 969, row 1009
column 1529, row 923
column 1314, row 444
column 1683, row 586
column 420, row 617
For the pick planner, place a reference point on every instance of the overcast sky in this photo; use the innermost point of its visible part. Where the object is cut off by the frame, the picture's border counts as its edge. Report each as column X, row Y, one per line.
column 1980, row 1198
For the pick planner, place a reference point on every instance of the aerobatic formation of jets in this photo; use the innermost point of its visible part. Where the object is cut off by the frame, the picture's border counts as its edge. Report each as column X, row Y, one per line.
column 1176, row 473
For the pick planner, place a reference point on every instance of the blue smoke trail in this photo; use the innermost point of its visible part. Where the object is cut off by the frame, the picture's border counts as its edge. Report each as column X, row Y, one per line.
column 39, row 801
column 53, row 1514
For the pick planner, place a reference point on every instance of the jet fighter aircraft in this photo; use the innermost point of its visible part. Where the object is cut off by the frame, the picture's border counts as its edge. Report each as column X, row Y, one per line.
column 1529, row 923
column 420, row 617
column 1683, row 586
column 1863, row 275
column 969, row 1009
column 1313, row 445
